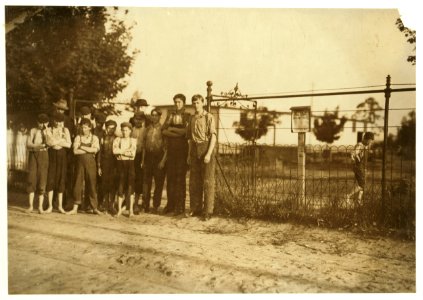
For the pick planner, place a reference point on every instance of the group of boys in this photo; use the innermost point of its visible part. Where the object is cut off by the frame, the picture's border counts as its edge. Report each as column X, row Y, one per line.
column 110, row 173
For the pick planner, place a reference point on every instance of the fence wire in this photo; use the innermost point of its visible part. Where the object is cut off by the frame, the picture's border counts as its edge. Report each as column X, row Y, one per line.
column 262, row 181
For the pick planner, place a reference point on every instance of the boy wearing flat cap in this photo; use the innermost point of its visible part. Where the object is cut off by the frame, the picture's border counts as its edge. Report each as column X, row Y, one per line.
column 125, row 148
column 85, row 113
column 38, row 162
column 58, row 139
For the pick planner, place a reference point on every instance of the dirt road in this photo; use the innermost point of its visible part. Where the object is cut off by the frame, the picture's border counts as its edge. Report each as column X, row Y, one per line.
column 58, row 254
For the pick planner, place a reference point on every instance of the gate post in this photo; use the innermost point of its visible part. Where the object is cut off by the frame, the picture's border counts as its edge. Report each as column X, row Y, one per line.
column 301, row 165
column 209, row 96
column 301, row 123
column 385, row 144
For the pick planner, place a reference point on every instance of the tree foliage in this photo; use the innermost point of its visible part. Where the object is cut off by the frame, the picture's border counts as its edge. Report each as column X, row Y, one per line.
column 327, row 127
column 62, row 52
column 411, row 38
column 406, row 137
column 251, row 128
column 368, row 110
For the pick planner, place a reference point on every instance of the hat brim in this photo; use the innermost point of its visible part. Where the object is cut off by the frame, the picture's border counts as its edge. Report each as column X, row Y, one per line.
column 61, row 106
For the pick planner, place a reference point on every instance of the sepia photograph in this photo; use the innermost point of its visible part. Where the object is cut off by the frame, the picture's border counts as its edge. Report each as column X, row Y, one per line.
column 209, row 149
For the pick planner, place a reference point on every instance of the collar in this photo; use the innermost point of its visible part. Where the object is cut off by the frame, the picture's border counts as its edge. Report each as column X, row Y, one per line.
column 181, row 112
column 200, row 115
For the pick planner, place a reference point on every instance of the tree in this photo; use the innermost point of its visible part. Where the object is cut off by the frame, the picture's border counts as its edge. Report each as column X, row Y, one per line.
column 411, row 38
column 406, row 137
column 251, row 128
column 65, row 52
column 327, row 127
column 368, row 110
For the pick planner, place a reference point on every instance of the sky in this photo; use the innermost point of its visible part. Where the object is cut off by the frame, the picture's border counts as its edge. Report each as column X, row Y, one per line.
column 269, row 51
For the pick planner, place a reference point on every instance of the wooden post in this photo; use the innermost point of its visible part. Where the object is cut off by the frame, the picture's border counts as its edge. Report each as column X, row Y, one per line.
column 385, row 143
column 301, row 166
column 301, row 123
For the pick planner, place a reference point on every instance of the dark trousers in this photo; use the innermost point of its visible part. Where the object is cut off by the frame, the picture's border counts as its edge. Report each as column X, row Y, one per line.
column 201, row 180
column 38, row 170
column 56, row 178
column 70, row 177
column 176, row 171
column 151, row 170
column 126, row 177
column 86, row 170
column 109, row 176
column 360, row 175
column 139, row 173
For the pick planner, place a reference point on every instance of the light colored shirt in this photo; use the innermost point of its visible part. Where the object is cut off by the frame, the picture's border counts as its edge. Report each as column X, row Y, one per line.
column 154, row 141
column 358, row 155
column 124, row 148
column 202, row 127
column 36, row 138
column 57, row 135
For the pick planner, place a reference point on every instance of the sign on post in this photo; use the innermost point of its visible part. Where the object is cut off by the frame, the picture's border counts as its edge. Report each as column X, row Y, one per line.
column 301, row 123
column 300, row 119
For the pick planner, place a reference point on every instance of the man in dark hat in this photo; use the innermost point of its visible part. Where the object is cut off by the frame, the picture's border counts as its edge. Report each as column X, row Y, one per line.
column 139, row 123
column 61, row 106
column 140, row 105
column 38, row 162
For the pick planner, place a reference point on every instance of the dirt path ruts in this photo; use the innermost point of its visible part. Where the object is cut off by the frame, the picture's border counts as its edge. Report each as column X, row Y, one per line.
column 157, row 254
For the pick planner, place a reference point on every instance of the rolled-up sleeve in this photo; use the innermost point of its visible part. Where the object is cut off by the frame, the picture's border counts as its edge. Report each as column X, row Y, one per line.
column 211, row 127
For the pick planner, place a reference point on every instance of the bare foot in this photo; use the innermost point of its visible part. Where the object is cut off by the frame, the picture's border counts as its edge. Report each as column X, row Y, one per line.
column 61, row 210
column 119, row 213
column 131, row 214
column 29, row 210
column 48, row 210
column 72, row 212
column 97, row 212
column 41, row 211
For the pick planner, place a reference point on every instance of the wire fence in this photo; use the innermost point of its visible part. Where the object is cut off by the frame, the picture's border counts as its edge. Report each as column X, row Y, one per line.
column 262, row 181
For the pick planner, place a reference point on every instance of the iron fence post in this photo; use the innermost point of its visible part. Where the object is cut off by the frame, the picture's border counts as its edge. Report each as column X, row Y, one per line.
column 385, row 144
column 209, row 95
